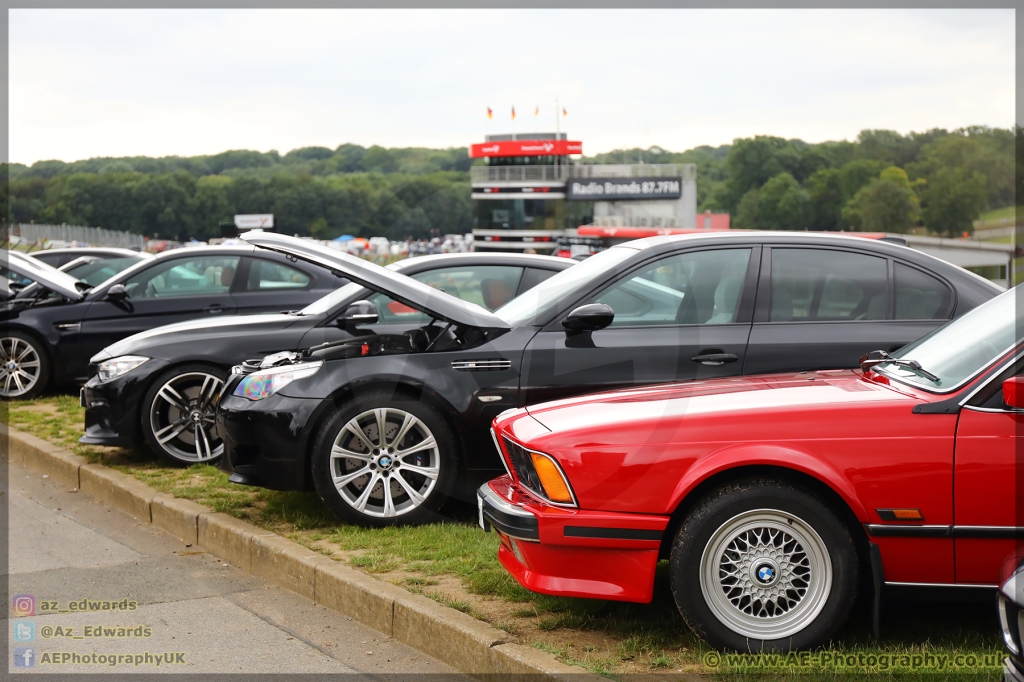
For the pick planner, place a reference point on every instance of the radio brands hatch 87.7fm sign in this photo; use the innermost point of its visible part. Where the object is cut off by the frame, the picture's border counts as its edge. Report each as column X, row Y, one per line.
column 620, row 189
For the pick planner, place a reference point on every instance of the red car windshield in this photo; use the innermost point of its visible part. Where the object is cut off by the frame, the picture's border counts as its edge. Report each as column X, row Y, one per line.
column 964, row 347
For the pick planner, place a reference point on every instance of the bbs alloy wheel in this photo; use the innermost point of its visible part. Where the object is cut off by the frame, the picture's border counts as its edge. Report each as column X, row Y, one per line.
column 384, row 462
column 181, row 416
column 763, row 565
column 765, row 575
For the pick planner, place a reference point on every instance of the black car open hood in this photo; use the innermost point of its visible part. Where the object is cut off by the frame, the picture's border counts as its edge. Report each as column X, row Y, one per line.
column 46, row 275
column 400, row 287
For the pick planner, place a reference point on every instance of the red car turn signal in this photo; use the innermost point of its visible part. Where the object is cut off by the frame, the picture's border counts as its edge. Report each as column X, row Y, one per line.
column 555, row 486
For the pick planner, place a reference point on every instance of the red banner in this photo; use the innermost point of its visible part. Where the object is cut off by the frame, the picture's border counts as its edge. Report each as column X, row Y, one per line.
column 526, row 148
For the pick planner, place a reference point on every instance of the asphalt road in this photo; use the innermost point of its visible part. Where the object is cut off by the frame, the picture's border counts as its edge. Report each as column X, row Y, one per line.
column 65, row 547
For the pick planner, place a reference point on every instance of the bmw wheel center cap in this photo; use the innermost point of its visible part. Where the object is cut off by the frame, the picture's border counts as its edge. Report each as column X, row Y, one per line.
column 764, row 572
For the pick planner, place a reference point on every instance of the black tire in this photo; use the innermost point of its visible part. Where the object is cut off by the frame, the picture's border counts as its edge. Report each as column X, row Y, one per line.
column 197, row 394
column 756, row 591
column 25, row 368
column 369, row 465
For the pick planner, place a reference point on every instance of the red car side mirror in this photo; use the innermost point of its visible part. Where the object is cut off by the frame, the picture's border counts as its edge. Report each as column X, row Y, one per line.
column 1013, row 392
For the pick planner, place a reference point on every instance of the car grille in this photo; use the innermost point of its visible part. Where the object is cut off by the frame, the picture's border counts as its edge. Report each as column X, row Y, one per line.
column 522, row 466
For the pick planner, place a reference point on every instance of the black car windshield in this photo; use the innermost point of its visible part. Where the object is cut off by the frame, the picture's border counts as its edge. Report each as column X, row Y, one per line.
column 326, row 303
column 960, row 349
column 523, row 309
column 99, row 271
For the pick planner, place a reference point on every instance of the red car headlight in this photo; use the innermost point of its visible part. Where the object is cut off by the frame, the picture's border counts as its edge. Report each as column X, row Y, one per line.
column 539, row 473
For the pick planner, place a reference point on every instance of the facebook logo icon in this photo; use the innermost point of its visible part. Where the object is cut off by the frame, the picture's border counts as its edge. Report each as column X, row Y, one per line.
column 24, row 657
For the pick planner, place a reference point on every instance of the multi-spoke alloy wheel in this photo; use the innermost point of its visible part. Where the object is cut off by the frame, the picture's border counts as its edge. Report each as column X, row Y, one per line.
column 384, row 462
column 182, row 415
column 766, row 574
column 384, row 459
column 761, row 565
column 21, row 367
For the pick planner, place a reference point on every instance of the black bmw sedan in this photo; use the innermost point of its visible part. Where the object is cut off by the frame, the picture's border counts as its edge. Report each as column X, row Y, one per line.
column 56, row 325
column 150, row 384
column 385, row 426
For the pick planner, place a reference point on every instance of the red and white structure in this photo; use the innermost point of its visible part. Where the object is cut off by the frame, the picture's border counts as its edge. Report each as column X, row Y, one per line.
column 531, row 192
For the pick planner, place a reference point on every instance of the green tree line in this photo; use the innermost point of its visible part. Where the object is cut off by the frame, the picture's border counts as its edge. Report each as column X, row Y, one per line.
column 882, row 181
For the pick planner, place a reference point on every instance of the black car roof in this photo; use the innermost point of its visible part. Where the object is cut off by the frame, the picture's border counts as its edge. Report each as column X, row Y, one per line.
column 473, row 258
column 86, row 250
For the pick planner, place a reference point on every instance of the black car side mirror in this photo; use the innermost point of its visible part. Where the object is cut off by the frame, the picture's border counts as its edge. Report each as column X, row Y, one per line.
column 117, row 292
column 588, row 318
column 360, row 312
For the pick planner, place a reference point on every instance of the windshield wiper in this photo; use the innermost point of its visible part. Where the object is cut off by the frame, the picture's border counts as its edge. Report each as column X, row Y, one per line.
column 880, row 357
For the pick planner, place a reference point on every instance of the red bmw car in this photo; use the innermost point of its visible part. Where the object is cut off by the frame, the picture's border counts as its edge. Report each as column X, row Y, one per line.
column 772, row 495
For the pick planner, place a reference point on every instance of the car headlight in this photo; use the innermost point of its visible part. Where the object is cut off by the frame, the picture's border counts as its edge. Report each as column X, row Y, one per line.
column 267, row 382
column 115, row 367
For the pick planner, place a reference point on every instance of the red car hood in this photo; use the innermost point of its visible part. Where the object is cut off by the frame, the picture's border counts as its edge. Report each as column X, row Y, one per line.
column 665, row 406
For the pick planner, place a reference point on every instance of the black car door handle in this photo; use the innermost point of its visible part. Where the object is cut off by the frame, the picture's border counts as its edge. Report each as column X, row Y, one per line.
column 714, row 358
column 214, row 308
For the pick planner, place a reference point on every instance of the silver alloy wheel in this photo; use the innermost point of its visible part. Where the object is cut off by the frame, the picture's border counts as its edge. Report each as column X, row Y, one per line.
column 183, row 415
column 765, row 574
column 20, row 368
column 385, row 462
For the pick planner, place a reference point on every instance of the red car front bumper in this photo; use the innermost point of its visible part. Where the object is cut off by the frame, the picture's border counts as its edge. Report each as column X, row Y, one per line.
column 572, row 552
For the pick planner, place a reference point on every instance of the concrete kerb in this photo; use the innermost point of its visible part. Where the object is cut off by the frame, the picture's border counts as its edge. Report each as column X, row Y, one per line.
column 451, row 636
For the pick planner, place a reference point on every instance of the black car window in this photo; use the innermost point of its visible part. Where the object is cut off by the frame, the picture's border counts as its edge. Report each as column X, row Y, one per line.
column 919, row 296
column 189, row 276
column 534, row 276
column 489, row 286
column 826, row 285
column 265, row 275
column 699, row 287
column 99, row 271
column 54, row 259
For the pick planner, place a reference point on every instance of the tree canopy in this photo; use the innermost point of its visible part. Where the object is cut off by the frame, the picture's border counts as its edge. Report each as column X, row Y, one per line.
column 940, row 180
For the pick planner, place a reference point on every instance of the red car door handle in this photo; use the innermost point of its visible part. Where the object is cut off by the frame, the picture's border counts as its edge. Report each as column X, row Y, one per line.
column 714, row 358
column 214, row 308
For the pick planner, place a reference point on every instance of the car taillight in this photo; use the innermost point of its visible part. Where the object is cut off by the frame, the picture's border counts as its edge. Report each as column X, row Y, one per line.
column 539, row 473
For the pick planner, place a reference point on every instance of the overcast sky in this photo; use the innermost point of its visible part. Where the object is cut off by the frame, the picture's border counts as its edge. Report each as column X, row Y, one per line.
column 87, row 83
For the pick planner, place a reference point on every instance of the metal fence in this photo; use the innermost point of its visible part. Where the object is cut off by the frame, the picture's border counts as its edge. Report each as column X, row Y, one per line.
column 68, row 234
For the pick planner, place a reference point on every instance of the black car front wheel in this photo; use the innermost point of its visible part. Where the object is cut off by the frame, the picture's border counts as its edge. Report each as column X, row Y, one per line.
column 179, row 415
column 25, row 368
column 384, row 459
column 761, row 565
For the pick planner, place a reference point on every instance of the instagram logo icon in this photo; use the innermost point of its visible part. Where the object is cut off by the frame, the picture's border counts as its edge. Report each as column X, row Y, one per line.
column 24, row 605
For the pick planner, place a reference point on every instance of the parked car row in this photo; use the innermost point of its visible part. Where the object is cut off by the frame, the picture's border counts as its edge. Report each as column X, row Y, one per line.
column 777, row 414
column 57, row 325
column 149, row 383
column 652, row 311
